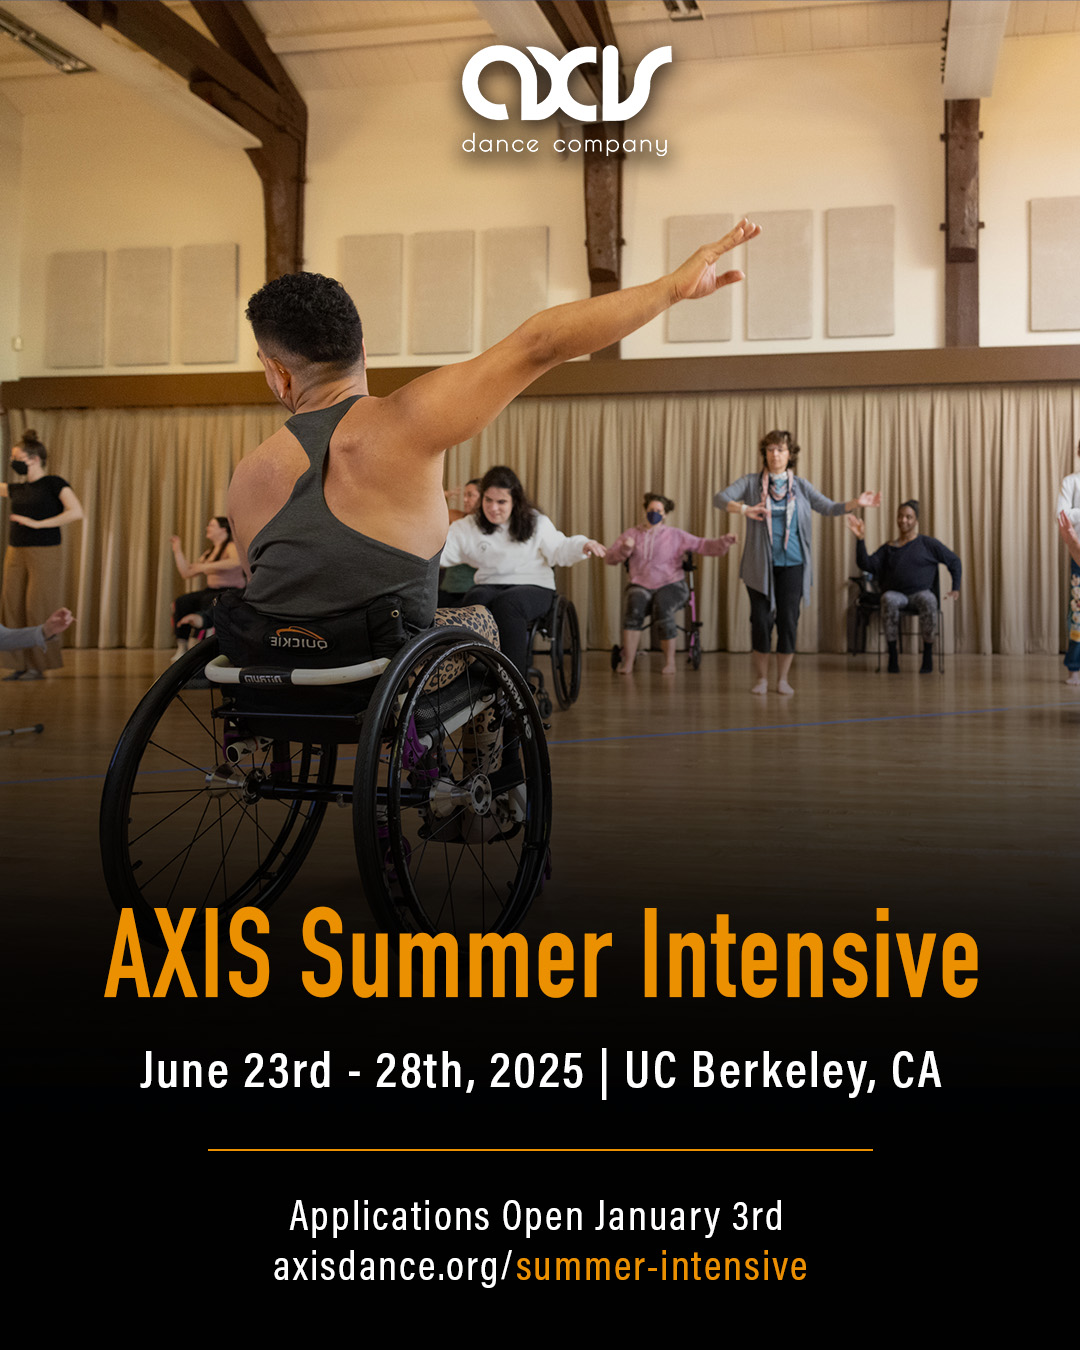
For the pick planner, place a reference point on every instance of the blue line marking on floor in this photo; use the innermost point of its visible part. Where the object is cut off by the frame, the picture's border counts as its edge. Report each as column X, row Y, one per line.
column 655, row 735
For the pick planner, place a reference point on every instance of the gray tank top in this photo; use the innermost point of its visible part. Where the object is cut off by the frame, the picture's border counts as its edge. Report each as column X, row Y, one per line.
column 305, row 563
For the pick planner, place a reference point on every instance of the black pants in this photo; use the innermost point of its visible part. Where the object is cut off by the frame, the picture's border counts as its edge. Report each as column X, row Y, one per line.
column 193, row 602
column 787, row 587
column 196, row 602
column 513, row 608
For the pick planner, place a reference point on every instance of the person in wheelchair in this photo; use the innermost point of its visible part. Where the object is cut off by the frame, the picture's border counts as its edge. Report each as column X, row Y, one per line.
column 654, row 551
column 192, row 612
column 339, row 520
column 345, row 502
column 906, row 569
column 457, row 581
column 514, row 548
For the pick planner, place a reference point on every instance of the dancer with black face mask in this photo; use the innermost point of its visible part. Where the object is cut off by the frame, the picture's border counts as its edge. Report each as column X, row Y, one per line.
column 40, row 504
column 655, row 551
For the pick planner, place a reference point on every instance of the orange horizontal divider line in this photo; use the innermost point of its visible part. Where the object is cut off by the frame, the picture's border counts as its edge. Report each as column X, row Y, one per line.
column 316, row 1149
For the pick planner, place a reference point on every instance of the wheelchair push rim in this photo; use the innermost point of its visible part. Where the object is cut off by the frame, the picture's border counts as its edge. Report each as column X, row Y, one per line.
column 448, row 840
column 183, row 825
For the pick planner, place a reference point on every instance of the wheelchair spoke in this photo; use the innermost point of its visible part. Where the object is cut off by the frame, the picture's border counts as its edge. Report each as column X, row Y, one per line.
column 214, row 833
column 463, row 824
column 191, row 796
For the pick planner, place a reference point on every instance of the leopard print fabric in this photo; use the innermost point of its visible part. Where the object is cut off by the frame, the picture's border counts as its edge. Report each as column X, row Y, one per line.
column 478, row 620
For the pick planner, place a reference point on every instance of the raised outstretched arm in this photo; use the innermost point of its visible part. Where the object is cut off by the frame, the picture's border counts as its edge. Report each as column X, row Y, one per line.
column 451, row 404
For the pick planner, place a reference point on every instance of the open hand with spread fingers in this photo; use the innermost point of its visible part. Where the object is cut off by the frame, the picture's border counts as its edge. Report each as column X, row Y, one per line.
column 697, row 278
column 856, row 525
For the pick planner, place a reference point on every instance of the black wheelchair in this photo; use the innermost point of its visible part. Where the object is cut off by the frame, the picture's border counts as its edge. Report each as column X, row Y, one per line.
column 691, row 628
column 223, row 775
column 560, row 628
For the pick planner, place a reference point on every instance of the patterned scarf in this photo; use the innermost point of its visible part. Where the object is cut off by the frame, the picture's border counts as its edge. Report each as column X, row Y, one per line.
column 768, row 489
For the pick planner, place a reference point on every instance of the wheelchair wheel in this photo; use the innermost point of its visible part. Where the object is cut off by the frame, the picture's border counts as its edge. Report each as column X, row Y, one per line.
column 452, row 797
column 694, row 649
column 566, row 654
column 616, row 656
column 182, row 826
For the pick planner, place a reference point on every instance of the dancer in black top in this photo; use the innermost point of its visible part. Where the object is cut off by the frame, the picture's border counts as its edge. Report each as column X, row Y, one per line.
column 906, row 569
column 40, row 503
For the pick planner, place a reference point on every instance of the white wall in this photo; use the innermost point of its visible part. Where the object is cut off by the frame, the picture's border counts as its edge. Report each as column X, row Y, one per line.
column 862, row 128
column 112, row 171
column 10, row 234
column 391, row 161
column 1030, row 148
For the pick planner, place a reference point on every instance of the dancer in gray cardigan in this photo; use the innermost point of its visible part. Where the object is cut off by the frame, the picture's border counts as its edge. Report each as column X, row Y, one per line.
column 16, row 639
column 776, row 559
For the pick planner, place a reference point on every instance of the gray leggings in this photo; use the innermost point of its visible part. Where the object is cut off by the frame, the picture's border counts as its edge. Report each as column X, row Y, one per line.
column 666, row 603
column 923, row 603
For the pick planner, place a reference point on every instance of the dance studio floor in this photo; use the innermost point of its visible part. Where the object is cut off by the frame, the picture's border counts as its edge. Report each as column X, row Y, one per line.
column 684, row 789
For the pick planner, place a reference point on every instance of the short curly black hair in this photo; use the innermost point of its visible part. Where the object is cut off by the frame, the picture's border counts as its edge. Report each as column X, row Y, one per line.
column 307, row 315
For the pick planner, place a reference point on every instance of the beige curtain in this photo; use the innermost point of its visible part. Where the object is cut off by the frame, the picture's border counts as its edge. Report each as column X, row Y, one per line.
column 142, row 475
column 985, row 462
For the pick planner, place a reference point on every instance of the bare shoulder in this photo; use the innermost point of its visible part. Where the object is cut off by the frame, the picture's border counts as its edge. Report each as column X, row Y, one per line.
column 274, row 455
column 261, row 484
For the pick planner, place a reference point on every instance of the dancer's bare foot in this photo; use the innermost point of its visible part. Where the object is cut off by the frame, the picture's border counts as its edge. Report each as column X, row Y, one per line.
column 1074, row 677
column 784, row 688
column 761, row 687
column 668, row 670
column 621, row 669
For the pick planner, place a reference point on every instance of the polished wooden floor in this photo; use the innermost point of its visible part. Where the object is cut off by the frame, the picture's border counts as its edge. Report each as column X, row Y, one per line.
column 686, row 790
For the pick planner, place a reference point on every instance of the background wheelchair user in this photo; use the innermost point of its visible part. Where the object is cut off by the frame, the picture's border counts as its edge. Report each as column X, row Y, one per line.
column 514, row 548
column 220, row 564
column 654, row 553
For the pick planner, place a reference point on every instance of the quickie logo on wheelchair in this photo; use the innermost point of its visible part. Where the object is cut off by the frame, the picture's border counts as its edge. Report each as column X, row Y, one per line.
column 293, row 637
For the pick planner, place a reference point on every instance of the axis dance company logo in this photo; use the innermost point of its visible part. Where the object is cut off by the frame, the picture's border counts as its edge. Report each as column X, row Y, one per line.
column 559, row 99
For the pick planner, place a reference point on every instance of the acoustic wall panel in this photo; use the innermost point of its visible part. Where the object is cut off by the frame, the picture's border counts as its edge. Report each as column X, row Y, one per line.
column 371, row 273
column 705, row 320
column 140, row 281
column 75, row 309
column 515, row 278
column 1055, row 264
column 206, row 303
column 779, row 276
column 859, row 271
column 441, row 282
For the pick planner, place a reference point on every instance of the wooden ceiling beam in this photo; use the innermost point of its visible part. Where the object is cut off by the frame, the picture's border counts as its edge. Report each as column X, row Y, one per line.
column 962, row 224
column 152, row 26
column 236, row 32
column 581, row 23
column 244, row 80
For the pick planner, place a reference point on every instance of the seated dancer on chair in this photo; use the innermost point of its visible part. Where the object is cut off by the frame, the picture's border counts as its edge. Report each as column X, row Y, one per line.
column 191, row 613
column 655, row 551
column 514, row 548
column 456, row 581
column 345, row 503
column 906, row 570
